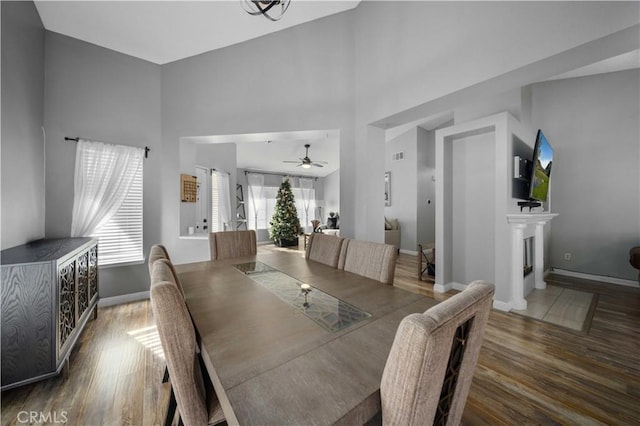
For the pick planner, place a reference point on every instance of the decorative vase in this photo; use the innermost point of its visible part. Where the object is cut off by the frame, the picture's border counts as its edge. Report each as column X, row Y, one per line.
column 286, row 243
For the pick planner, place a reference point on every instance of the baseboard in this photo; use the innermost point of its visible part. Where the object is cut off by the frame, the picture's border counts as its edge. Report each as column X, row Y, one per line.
column 443, row 288
column 601, row 278
column 501, row 306
column 125, row 298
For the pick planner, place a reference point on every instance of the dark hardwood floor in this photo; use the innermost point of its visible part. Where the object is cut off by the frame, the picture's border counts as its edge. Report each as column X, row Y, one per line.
column 529, row 372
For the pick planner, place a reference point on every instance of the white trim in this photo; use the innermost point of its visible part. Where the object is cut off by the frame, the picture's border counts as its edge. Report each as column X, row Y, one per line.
column 413, row 253
column 501, row 306
column 443, row 288
column 124, row 298
column 199, row 236
column 601, row 278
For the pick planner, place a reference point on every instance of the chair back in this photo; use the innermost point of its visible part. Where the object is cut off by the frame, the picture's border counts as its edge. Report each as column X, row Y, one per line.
column 158, row 251
column 371, row 260
column 324, row 249
column 430, row 367
column 229, row 244
column 178, row 340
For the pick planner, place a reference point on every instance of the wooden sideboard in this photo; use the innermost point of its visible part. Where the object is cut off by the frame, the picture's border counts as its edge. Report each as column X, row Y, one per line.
column 49, row 291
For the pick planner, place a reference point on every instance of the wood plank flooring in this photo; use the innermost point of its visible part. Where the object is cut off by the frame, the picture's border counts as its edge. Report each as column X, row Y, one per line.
column 529, row 372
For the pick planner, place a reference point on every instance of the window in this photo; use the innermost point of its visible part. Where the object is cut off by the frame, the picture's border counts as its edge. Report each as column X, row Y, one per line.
column 107, row 200
column 268, row 204
column 120, row 238
column 220, row 202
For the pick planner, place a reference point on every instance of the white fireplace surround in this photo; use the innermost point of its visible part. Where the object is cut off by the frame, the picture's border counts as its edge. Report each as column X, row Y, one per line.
column 480, row 228
column 523, row 226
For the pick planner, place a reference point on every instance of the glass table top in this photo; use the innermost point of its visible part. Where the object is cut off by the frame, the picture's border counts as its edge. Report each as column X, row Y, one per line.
column 325, row 310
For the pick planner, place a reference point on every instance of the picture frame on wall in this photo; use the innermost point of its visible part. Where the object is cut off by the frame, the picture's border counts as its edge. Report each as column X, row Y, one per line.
column 387, row 189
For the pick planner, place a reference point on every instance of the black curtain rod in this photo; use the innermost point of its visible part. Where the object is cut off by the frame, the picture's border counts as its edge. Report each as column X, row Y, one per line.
column 222, row 171
column 146, row 148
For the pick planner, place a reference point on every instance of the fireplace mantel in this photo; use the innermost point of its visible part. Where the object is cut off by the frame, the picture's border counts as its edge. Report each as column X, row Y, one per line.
column 519, row 223
column 530, row 218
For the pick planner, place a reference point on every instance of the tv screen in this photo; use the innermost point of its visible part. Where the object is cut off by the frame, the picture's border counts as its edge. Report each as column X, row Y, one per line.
column 541, row 168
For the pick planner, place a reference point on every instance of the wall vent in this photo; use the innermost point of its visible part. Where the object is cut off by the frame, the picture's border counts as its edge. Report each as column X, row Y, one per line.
column 396, row 156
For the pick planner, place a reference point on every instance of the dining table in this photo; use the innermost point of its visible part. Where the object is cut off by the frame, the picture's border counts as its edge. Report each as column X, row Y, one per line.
column 290, row 341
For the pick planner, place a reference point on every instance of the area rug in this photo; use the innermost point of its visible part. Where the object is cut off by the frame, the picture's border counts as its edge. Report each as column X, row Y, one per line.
column 561, row 306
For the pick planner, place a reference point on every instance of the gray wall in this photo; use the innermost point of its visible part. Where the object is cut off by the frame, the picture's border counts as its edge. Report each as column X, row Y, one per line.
column 23, row 195
column 331, row 196
column 473, row 209
column 412, row 56
column 99, row 94
column 593, row 125
column 404, row 178
column 295, row 79
column 412, row 186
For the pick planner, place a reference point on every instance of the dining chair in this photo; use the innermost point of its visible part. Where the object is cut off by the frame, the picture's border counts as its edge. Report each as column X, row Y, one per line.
column 159, row 254
column 430, row 367
column 157, row 251
column 229, row 244
column 166, row 261
column 324, row 249
column 372, row 260
column 196, row 399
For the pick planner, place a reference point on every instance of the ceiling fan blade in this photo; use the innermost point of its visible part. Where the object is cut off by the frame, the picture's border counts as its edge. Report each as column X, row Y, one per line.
column 316, row 164
column 286, row 161
column 321, row 162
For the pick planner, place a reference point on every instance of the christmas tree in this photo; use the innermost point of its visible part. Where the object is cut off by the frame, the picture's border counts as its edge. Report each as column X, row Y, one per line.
column 285, row 225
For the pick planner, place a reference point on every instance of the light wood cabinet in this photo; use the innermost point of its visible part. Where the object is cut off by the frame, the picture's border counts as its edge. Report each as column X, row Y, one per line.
column 49, row 292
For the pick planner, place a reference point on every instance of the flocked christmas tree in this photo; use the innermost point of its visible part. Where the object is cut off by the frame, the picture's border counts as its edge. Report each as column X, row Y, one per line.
column 285, row 225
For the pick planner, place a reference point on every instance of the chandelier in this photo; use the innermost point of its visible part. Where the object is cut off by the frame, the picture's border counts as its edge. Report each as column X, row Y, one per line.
column 272, row 10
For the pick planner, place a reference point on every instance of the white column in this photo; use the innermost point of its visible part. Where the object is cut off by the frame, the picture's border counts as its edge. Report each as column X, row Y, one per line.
column 539, row 257
column 517, row 275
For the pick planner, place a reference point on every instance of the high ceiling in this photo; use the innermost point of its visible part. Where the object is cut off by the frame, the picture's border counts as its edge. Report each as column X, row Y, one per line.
column 166, row 31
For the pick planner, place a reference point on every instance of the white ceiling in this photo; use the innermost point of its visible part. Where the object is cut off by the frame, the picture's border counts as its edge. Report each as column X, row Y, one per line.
column 166, row 31
column 267, row 151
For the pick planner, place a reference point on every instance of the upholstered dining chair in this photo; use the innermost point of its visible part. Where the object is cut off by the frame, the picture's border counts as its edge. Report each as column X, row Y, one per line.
column 229, row 244
column 197, row 403
column 159, row 254
column 430, row 367
column 324, row 249
column 157, row 251
column 371, row 260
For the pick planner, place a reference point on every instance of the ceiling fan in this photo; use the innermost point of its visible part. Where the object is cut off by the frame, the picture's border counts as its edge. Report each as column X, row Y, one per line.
column 306, row 162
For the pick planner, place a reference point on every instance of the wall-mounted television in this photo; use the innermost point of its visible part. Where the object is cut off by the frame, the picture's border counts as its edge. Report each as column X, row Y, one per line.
column 542, row 161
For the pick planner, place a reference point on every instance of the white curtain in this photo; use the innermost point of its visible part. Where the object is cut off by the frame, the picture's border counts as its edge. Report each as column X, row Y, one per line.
column 224, row 198
column 256, row 189
column 306, row 188
column 103, row 176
